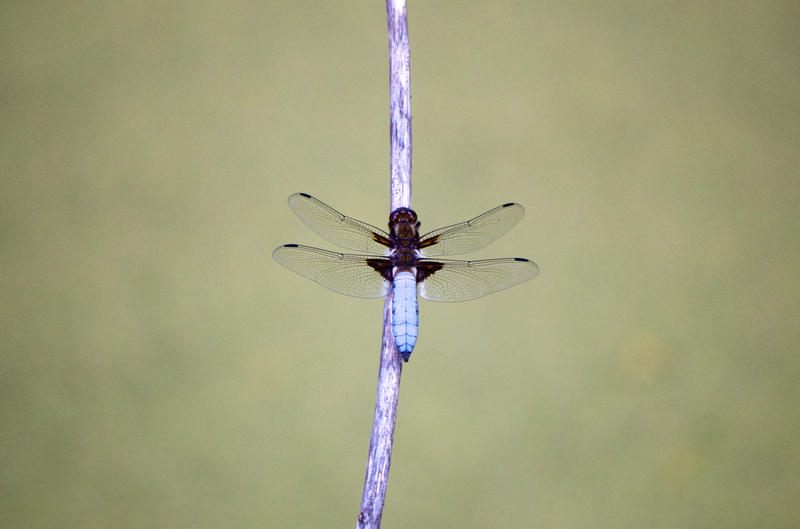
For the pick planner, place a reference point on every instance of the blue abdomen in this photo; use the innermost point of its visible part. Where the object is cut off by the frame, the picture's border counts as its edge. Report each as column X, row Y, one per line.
column 405, row 318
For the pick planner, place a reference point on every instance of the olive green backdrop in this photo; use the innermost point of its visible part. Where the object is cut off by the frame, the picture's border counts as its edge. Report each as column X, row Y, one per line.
column 159, row 370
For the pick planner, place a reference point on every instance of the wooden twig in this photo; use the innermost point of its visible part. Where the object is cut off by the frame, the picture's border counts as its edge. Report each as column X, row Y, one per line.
column 399, row 104
column 380, row 444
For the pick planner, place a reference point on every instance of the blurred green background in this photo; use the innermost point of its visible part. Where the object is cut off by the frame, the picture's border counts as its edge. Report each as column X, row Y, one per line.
column 158, row 369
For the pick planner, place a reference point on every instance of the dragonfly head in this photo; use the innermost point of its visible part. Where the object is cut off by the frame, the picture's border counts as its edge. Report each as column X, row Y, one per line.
column 401, row 220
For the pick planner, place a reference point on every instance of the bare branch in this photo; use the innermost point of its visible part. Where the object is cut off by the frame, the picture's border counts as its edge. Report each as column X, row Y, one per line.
column 380, row 445
column 399, row 104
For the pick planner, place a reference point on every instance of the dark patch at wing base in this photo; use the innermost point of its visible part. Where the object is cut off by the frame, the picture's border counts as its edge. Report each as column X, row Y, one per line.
column 380, row 239
column 382, row 266
column 427, row 269
column 430, row 241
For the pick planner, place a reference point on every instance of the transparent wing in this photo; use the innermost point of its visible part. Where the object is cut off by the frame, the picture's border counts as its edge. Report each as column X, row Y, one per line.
column 352, row 275
column 336, row 228
column 451, row 280
column 473, row 234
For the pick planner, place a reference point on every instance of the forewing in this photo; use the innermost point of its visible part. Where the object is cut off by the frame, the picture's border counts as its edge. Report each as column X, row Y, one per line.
column 452, row 280
column 352, row 275
column 337, row 228
column 473, row 234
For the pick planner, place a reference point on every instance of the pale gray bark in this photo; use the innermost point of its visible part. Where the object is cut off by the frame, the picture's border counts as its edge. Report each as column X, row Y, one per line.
column 391, row 366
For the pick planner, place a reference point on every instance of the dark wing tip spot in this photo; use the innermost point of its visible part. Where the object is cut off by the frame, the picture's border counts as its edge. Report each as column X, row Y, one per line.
column 522, row 259
column 290, row 246
column 304, row 195
column 508, row 204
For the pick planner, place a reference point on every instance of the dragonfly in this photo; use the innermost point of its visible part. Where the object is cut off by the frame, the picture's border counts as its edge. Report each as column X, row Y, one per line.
column 402, row 261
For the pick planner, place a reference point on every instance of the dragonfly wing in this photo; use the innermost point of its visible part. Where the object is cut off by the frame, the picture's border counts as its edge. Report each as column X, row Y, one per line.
column 451, row 280
column 473, row 234
column 362, row 276
column 337, row 228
